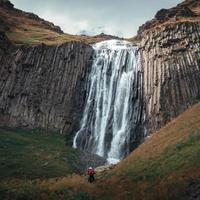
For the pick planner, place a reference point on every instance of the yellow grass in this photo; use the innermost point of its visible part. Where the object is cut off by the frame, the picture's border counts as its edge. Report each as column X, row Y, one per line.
column 154, row 154
column 160, row 168
column 177, row 130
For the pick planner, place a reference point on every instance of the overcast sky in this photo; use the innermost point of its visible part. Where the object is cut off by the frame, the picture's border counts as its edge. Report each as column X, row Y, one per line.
column 116, row 17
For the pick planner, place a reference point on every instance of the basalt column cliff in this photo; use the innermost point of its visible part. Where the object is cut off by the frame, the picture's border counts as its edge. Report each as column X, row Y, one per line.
column 170, row 54
column 43, row 86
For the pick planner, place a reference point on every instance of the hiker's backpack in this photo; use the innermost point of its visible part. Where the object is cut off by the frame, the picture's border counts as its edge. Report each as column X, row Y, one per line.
column 91, row 172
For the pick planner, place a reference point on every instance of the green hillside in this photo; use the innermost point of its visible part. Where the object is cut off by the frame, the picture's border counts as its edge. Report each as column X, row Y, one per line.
column 35, row 154
column 165, row 166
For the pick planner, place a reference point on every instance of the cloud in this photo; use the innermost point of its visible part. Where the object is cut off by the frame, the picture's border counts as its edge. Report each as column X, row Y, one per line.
column 114, row 17
column 92, row 31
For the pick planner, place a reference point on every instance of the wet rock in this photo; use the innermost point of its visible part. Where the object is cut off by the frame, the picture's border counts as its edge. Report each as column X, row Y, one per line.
column 102, row 171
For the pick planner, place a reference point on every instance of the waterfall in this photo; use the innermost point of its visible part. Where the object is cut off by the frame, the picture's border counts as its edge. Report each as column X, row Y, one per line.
column 113, row 107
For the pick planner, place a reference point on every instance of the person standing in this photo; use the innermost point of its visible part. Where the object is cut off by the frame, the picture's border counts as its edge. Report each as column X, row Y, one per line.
column 91, row 173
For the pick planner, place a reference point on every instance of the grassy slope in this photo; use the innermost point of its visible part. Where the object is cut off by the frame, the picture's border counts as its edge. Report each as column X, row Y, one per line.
column 37, row 165
column 28, row 155
column 161, row 168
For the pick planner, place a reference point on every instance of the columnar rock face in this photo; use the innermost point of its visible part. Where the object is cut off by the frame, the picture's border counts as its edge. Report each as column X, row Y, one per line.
column 171, row 67
column 44, row 86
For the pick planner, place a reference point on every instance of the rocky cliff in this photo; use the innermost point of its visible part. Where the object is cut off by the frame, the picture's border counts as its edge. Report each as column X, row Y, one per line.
column 43, row 86
column 43, row 72
column 170, row 56
column 187, row 11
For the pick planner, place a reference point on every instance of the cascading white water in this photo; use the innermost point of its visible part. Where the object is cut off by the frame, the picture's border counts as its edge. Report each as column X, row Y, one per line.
column 113, row 109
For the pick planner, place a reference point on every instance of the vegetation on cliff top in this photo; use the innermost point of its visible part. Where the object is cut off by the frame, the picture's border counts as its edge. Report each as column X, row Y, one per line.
column 27, row 28
column 187, row 11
